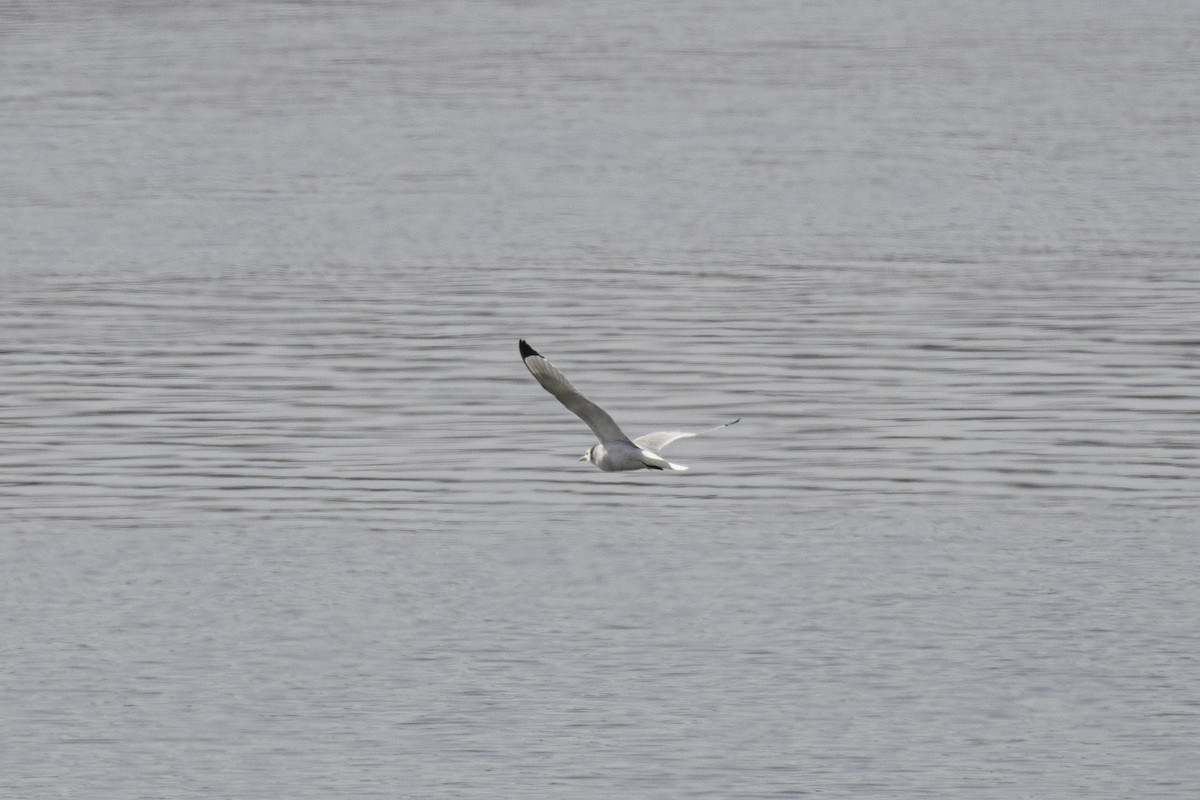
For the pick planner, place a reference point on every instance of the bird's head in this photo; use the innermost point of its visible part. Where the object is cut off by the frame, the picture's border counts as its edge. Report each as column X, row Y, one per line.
column 590, row 455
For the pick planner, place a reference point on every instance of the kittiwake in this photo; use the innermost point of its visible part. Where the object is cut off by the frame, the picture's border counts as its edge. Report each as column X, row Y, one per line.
column 615, row 451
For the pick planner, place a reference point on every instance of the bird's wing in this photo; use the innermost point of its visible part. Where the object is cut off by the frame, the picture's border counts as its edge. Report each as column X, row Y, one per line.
column 557, row 384
column 660, row 439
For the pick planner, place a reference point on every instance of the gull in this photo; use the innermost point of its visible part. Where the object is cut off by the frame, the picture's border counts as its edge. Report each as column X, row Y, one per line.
column 615, row 451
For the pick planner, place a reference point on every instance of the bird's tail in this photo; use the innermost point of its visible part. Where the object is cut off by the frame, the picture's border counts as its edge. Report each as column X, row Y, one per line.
column 654, row 461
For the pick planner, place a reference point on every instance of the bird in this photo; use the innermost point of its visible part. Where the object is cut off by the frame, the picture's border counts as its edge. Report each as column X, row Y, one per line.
column 615, row 452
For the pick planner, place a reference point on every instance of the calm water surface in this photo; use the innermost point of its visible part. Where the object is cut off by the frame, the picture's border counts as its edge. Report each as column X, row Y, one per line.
column 283, row 514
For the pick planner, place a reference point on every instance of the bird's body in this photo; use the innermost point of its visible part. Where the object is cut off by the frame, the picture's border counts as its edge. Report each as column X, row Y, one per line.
column 618, row 456
column 615, row 452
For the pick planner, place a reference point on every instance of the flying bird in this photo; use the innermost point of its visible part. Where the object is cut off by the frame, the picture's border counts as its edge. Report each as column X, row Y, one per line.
column 615, row 451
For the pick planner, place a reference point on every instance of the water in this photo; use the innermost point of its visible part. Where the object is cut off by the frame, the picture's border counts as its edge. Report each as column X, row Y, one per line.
column 285, row 516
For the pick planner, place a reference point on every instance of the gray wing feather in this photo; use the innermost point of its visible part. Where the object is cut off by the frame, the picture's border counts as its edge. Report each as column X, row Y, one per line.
column 557, row 384
column 660, row 439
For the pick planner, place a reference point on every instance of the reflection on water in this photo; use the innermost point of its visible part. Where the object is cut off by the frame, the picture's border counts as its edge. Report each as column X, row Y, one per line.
column 398, row 396
column 273, row 261
column 283, row 514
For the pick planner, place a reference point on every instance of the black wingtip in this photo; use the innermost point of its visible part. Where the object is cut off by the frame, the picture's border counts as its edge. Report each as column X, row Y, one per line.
column 527, row 351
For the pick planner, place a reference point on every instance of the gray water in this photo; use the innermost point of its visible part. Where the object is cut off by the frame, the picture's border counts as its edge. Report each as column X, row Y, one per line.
column 284, row 516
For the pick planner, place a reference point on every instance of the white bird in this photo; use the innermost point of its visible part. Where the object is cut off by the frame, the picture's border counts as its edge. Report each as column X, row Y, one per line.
column 615, row 451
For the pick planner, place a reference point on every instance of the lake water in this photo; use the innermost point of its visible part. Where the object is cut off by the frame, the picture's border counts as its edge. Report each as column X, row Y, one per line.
column 284, row 515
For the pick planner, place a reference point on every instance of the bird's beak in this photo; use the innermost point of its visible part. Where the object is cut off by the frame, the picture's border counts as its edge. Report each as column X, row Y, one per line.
column 583, row 457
